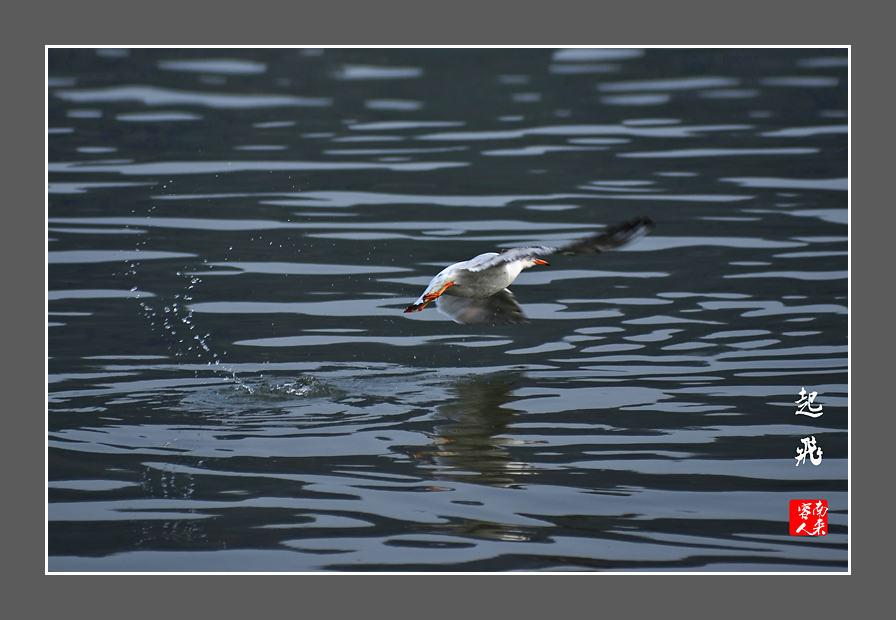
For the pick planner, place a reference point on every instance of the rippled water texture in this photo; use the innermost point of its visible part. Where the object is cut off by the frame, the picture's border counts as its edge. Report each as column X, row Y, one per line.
column 233, row 236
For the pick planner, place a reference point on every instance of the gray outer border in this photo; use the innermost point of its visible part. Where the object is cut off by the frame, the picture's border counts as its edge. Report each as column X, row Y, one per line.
column 411, row 23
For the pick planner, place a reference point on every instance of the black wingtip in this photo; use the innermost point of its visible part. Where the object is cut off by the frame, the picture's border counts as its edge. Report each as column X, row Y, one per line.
column 612, row 238
column 639, row 225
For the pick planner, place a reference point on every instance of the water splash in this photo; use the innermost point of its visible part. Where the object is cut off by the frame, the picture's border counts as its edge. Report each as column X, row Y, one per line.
column 173, row 319
column 259, row 395
column 306, row 386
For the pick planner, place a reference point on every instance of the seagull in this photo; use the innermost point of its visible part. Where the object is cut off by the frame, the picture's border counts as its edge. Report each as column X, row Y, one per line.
column 475, row 291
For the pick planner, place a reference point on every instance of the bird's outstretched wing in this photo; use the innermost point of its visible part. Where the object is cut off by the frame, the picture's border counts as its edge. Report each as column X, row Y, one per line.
column 493, row 259
column 502, row 307
column 609, row 239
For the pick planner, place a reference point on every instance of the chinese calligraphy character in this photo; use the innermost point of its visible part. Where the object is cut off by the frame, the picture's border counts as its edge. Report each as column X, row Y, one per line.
column 806, row 401
column 809, row 449
column 804, row 510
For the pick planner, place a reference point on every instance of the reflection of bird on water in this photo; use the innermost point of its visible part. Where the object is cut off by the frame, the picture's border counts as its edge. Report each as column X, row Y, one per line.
column 470, row 443
column 475, row 291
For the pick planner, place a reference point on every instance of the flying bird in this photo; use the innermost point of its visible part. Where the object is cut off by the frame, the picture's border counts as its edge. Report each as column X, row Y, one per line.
column 475, row 291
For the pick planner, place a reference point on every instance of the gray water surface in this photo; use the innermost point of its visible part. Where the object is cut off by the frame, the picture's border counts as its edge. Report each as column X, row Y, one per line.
column 234, row 234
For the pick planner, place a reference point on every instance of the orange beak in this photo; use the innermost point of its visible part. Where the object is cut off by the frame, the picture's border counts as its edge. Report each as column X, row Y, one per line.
column 538, row 261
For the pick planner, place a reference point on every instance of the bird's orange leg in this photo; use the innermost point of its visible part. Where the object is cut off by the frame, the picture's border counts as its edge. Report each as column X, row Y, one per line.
column 432, row 296
column 428, row 298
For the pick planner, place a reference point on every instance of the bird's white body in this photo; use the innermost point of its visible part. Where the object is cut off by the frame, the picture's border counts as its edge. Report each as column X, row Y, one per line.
column 475, row 291
column 478, row 277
